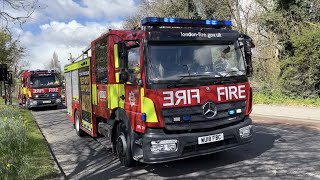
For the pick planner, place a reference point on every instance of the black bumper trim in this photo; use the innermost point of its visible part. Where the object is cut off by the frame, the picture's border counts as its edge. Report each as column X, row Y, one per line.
column 41, row 104
column 188, row 143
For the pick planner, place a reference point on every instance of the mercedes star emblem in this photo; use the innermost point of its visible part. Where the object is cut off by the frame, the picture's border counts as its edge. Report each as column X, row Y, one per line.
column 209, row 110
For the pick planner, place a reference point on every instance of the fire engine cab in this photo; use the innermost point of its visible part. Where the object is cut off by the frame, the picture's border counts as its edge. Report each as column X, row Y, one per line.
column 175, row 89
column 39, row 88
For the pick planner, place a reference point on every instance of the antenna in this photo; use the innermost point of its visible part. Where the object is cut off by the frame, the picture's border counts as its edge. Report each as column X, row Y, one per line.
column 70, row 58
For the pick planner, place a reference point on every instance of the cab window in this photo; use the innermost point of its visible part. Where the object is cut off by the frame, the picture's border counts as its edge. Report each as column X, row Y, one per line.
column 102, row 63
column 134, row 69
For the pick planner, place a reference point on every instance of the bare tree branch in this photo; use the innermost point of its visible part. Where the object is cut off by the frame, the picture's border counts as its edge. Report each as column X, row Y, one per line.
column 27, row 7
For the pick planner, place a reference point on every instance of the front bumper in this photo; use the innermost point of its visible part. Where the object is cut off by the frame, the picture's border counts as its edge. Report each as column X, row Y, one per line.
column 188, row 146
column 31, row 103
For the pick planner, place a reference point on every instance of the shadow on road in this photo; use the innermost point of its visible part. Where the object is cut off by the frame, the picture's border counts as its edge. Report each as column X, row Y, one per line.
column 261, row 143
column 277, row 150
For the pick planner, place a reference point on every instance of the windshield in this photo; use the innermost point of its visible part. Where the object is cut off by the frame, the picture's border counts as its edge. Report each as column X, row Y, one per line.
column 37, row 81
column 171, row 62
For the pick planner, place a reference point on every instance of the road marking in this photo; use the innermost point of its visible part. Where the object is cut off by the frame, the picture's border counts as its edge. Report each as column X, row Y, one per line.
column 313, row 175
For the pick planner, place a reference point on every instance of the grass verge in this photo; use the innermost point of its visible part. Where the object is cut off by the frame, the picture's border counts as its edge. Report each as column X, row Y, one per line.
column 24, row 153
column 280, row 99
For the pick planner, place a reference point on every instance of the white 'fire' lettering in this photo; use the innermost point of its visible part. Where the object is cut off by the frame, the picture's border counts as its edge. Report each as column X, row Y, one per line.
column 231, row 92
column 185, row 96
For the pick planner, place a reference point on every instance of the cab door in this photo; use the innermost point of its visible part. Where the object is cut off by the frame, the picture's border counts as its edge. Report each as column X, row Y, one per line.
column 100, row 77
column 133, row 87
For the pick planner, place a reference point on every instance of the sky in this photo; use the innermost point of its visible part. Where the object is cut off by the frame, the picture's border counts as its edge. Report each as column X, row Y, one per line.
column 67, row 26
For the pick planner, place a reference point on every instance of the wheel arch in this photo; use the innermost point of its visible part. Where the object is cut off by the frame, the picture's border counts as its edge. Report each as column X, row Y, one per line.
column 74, row 116
column 120, row 116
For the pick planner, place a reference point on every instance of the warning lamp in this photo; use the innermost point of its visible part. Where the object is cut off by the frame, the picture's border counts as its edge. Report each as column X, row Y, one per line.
column 213, row 23
column 144, row 117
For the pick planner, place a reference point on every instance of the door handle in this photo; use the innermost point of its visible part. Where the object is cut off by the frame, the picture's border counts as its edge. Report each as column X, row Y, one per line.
column 122, row 97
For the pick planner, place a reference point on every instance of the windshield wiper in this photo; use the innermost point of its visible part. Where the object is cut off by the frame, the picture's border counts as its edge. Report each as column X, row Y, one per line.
column 192, row 75
column 233, row 71
column 176, row 82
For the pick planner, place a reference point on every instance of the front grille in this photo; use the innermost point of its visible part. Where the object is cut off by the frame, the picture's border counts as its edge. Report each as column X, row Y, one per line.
column 200, row 127
column 45, row 96
column 198, row 122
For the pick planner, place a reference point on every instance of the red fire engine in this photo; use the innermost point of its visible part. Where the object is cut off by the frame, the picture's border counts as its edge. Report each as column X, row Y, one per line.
column 178, row 88
column 39, row 88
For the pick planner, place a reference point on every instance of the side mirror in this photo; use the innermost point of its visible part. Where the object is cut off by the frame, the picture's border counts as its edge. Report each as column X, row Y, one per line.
column 123, row 76
column 247, row 45
column 133, row 44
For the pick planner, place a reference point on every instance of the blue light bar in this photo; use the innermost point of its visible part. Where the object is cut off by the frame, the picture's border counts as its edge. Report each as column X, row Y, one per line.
column 171, row 20
column 212, row 22
column 228, row 22
column 186, row 117
column 232, row 112
column 155, row 21
column 144, row 117
column 43, row 71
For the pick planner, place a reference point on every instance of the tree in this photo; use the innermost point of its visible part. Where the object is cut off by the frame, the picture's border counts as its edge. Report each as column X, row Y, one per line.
column 10, row 51
column 54, row 63
column 285, row 21
column 180, row 8
column 287, row 17
column 301, row 71
column 10, row 8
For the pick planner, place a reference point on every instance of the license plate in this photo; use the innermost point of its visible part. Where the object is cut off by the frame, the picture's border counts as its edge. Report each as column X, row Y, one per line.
column 210, row 138
column 46, row 102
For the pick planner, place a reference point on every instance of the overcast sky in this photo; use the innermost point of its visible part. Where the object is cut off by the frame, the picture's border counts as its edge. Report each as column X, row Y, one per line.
column 68, row 26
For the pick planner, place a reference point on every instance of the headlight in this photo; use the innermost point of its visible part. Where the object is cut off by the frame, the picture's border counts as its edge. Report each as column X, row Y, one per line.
column 36, row 96
column 164, row 146
column 33, row 102
column 246, row 131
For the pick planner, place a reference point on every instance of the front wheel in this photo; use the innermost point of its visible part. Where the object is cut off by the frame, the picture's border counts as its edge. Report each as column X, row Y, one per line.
column 79, row 131
column 123, row 147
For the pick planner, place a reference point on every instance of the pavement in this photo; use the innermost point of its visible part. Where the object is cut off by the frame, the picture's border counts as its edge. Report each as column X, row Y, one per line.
column 288, row 112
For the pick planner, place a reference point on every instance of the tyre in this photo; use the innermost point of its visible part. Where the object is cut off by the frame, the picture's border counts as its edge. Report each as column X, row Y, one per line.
column 79, row 131
column 123, row 147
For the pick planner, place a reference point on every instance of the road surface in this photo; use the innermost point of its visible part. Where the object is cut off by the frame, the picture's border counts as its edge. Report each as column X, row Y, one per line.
column 282, row 149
